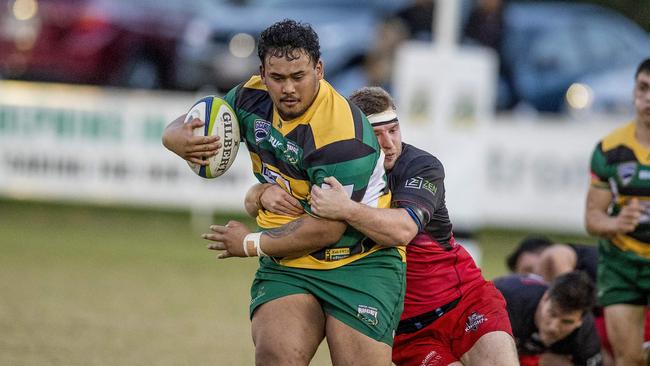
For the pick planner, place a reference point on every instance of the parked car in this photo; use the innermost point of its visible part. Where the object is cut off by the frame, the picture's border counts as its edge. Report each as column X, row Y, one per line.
column 108, row 42
column 609, row 92
column 547, row 47
column 220, row 51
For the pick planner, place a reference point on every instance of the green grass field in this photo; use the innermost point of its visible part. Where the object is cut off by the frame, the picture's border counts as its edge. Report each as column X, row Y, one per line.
column 106, row 286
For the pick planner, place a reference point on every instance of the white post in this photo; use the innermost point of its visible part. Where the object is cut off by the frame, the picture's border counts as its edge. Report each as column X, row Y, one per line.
column 446, row 23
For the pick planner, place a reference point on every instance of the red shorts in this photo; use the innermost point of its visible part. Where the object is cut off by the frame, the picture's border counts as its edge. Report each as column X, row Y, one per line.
column 602, row 331
column 480, row 311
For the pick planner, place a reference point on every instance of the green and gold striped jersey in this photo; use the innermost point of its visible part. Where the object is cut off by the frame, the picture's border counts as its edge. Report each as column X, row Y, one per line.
column 622, row 165
column 332, row 138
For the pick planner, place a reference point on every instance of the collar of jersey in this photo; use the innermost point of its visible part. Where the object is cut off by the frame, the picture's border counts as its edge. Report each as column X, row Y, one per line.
column 641, row 152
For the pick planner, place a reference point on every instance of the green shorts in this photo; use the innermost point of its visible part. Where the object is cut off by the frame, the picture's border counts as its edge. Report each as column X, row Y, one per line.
column 623, row 277
column 367, row 294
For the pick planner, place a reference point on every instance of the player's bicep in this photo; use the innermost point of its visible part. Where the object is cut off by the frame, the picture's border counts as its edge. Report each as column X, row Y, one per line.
column 598, row 199
column 416, row 213
column 413, row 219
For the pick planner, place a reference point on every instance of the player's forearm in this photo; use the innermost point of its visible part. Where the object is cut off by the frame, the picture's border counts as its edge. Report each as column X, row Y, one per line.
column 388, row 227
column 599, row 223
column 252, row 199
column 301, row 236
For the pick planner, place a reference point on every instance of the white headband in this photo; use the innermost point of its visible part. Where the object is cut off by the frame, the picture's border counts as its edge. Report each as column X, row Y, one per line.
column 382, row 118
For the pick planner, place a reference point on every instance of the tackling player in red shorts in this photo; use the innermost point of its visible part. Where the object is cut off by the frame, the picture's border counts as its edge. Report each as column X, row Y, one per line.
column 452, row 315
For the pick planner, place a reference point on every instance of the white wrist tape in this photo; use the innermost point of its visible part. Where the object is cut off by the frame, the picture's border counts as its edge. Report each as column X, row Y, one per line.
column 245, row 245
column 258, row 246
column 253, row 238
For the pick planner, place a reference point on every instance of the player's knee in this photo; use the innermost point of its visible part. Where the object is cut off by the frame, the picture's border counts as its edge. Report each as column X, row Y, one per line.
column 268, row 354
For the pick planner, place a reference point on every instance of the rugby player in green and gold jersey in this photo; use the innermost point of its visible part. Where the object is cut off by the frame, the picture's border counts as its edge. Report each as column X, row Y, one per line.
column 618, row 210
column 317, row 278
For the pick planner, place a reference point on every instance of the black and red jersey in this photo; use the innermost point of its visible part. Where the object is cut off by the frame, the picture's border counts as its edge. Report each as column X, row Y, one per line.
column 438, row 269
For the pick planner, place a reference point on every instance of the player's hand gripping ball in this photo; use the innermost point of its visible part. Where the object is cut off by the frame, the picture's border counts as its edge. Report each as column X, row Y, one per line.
column 220, row 120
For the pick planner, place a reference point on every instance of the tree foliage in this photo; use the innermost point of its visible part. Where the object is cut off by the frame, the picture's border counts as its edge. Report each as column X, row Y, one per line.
column 638, row 11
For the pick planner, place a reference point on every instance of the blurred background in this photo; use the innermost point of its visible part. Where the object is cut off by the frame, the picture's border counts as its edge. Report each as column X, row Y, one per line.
column 102, row 261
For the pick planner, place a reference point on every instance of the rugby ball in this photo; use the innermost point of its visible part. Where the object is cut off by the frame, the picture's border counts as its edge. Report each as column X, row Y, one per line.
column 219, row 120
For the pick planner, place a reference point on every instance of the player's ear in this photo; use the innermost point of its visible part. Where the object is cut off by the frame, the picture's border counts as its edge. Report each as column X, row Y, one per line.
column 319, row 69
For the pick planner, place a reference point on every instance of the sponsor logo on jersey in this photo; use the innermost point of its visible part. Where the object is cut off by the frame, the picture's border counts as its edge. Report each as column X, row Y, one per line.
column 262, row 129
column 274, row 177
column 429, row 187
column 432, row 359
column 276, row 143
column 335, row 254
column 421, row 183
column 626, row 172
column 644, row 174
column 415, row 183
column 368, row 314
column 474, row 320
column 287, row 150
column 292, row 153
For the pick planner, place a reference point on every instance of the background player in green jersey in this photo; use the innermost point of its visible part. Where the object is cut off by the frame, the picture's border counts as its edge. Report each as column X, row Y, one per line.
column 618, row 208
column 317, row 278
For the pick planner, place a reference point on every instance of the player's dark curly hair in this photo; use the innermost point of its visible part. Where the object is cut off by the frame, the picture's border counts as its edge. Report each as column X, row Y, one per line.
column 288, row 38
column 573, row 291
column 372, row 99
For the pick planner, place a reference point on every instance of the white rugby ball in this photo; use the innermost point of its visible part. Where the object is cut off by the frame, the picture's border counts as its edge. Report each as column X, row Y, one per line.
column 219, row 120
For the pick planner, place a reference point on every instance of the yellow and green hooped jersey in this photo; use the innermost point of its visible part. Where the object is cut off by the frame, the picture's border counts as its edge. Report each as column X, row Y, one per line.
column 620, row 164
column 332, row 138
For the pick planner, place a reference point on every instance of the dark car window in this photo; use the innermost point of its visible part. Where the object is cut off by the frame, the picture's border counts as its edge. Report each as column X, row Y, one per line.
column 555, row 51
column 552, row 55
column 547, row 46
column 605, row 44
